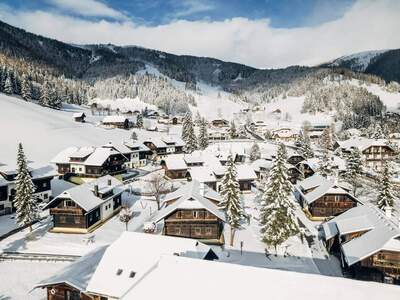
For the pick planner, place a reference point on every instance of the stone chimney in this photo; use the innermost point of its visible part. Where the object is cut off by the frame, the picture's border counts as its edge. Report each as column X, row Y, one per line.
column 96, row 190
column 388, row 212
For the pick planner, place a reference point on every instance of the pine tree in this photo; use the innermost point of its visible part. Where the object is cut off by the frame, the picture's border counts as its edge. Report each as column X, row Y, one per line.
column 139, row 121
column 134, row 136
column 26, row 88
column 191, row 139
column 44, row 94
column 231, row 203
column 354, row 168
column 232, row 130
column 304, row 148
column 198, row 119
column 187, row 120
column 325, row 164
column 277, row 218
column 326, row 139
column 8, row 87
column 385, row 196
column 26, row 205
column 255, row 152
column 203, row 135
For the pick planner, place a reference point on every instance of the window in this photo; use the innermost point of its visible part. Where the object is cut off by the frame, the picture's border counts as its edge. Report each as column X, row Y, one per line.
column 1, row 206
column 45, row 196
column 197, row 230
column 77, row 220
column 63, row 219
column 208, row 230
column 132, row 274
column 44, row 184
column 177, row 230
column 119, row 272
column 179, row 214
column 72, row 295
column 195, row 214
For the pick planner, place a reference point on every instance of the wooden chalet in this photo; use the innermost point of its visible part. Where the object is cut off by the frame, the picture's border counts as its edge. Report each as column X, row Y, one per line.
column 79, row 117
column 81, row 208
column 111, row 271
column 161, row 147
column 118, row 121
column 323, row 198
column 285, row 135
column 368, row 242
column 41, row 178
column 220, row 123
column 374, row 152
column 91, row 161
column 192, row 212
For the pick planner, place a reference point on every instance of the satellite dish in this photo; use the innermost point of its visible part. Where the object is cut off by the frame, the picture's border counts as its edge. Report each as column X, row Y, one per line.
column 53, row 291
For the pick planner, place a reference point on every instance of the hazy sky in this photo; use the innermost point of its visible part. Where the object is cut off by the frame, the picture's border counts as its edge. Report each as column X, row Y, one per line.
column 260, row 33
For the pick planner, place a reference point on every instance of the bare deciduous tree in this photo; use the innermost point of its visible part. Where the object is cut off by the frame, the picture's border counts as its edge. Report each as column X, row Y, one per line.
column 158, row 185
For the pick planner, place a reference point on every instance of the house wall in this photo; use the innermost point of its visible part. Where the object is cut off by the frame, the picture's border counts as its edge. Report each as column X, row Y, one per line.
column 331, row 205
column 198, row 224
column 107, row 209
column 386, row 262
column 65, row 292
column 78, row 168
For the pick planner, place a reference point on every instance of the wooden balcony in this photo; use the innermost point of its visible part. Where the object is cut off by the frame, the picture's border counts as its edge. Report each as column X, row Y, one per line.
column 383, row 263
column 66, row 211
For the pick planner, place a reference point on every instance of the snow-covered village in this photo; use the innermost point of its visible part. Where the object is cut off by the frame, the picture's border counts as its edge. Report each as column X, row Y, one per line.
column 218, row 166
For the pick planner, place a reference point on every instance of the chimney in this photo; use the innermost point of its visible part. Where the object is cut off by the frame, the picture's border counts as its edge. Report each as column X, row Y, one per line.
column 109, row 182
column 96, row 190
column 201, row 189
column 388, row 212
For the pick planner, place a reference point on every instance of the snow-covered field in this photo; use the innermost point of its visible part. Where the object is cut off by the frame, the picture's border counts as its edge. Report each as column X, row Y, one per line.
column 44, row 132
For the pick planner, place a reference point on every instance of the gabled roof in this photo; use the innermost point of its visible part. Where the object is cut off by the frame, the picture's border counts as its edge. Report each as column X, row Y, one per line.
column 190, row 199
column 84, row 195
column 362, row 143
column 138, row 253
column 63, row 157
column 233, row 281
column 78, row 273
column 114, row 119
column 382, row 233
column 78, row 115
column 311, row 182
column 190, row 188
column 202, row 174
column 175, row 162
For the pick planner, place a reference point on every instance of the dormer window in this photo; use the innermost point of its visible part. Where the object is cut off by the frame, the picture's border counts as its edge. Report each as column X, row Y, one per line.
column 119, row 272
column 132, row 274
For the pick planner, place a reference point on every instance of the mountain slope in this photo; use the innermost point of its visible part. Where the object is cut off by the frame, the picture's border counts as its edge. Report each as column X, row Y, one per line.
column 382, row 63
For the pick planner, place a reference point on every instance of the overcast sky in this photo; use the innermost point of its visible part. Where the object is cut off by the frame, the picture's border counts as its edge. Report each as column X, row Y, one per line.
column 260, row 33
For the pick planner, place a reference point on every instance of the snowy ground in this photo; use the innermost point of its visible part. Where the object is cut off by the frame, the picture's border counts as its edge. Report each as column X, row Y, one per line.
column 7, row 223
column 45, row 242
column 19, row 277
column 44, row 132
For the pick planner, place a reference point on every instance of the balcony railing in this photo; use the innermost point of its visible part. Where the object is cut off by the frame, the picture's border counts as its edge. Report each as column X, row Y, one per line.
column 386, row 263
column 66, row 211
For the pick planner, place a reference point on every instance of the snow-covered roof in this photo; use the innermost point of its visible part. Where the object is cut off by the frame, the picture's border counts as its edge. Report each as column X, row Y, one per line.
column 84, row 195
column 82, row 152
column 133, row 255
column 78, row 273
column 193, row 187
column 202, row 174
column 362, row 143
column 115, row 119
column 234, row 281
column 261, row 163
column 63, row 157
column 382, row 233
column 190, row 198
column 175, row 162
column 311, row 182
column 78, row 115
column 245, row 172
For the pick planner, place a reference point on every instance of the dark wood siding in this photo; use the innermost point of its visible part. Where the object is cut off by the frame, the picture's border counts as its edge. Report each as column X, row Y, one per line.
column 331, row 205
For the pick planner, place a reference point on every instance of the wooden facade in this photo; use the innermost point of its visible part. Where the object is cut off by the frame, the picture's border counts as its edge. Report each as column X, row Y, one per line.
column 331, row 205
column 193, row 223
column 65, row 292
column 383, row 266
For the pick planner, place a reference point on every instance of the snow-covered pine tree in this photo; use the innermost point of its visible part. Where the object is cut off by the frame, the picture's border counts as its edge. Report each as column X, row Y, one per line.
column 139, row 121
column 26, row 88
column 333, row 134
column 191, row 139
column 203, row 135
column 134, row 136
column 385, row 196
column 354, row 168
column 198, row 119
column 255, row 152
column 326, row 164
column 232, row 130
column 44, row 98
column 8, row 86
column 25, row 203
column 277, row 218
column 185, row 125
column 231, row 203
column 304, row 148
column 326, row 139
